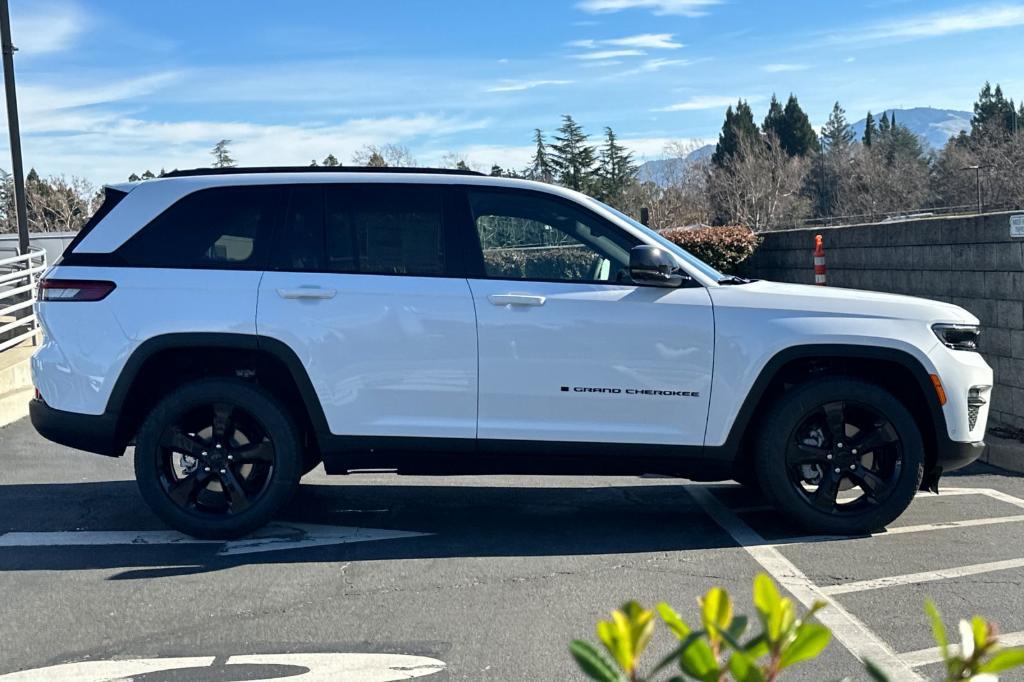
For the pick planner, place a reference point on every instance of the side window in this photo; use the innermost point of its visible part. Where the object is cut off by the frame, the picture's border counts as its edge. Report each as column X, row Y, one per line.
column 223, row 227
column 531, row 236
column 299, row 245
column 385, row 229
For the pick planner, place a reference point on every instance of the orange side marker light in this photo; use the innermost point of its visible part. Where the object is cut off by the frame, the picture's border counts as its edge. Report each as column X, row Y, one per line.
column 939, row 391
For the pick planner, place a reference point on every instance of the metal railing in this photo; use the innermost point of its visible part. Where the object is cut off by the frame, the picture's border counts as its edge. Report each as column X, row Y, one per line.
column 18, row 278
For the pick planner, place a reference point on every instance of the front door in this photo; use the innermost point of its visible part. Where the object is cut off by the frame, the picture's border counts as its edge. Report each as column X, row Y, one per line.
column 570, row 349
column 360, row 290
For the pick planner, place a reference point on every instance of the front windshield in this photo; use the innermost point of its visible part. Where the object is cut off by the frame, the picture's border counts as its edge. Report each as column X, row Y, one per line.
column 684, row 255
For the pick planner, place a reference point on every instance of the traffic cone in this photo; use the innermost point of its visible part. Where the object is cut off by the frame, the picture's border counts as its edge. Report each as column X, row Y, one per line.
column 819, row 261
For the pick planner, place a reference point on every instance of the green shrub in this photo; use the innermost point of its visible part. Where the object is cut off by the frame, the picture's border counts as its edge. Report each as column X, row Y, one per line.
column 723, row 248
column 549, row 262
column 719, row 648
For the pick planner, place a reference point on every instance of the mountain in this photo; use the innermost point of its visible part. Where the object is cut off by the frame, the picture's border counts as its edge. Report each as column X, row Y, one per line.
column 934, row 126
column 661, row 171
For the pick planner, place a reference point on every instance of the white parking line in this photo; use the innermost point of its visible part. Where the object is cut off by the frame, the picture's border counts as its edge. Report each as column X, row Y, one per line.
column 901, row 530
column 916, row 659
column 847, row 628
column 923, row 577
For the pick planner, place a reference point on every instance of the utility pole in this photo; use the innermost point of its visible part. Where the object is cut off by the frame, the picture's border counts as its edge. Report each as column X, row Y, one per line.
column 977, row 168
column 12, row 124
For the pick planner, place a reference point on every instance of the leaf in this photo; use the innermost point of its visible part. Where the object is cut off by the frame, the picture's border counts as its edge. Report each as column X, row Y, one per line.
column 627, row 634
column 716, row 612
column 938, row 628
column 766, row 597
column 875, row 672
column 757, row 647
column 1004, row 659
column 737, row 627
column 744, row 668
column 781, row 620
column 674, row 622
column 811, row 639
column 698, row 660
column 593, row 664
column 966, row 639
column 980, row 629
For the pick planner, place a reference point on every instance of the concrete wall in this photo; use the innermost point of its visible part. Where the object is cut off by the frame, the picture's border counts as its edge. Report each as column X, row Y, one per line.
column 53, row 242
column 970, row 261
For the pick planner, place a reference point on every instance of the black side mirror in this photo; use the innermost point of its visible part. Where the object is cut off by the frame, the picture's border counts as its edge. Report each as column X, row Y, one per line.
column 653, row 266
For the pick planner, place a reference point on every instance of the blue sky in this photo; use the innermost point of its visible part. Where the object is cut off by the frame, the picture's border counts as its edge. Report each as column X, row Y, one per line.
column 114, row 86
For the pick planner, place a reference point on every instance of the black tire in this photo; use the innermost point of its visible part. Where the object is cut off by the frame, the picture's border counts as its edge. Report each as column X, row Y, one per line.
column 838, row 431
column 217, row 458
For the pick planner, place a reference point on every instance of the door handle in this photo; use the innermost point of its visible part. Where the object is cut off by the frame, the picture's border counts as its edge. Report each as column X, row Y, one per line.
column 307, row 293
column 516, row 299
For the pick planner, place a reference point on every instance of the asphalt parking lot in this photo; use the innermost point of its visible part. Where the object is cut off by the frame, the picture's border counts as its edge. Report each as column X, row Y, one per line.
column 377, row 577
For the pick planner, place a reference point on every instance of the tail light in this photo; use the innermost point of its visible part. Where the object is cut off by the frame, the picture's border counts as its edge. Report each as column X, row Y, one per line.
column 74, row 290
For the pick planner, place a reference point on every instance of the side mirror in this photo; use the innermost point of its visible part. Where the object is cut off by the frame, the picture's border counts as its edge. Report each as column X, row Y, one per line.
column 652, row 265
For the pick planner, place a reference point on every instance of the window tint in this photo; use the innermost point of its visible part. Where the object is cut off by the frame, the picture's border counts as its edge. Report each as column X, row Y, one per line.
column 385, row 229
column 530, row 236
column 300, row 240
column 225, row 227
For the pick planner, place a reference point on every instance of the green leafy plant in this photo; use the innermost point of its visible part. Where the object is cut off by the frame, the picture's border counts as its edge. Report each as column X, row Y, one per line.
column 720, row 648
column 723, row 248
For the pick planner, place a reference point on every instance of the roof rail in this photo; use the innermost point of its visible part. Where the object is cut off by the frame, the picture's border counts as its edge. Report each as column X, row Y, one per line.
column 192, row 172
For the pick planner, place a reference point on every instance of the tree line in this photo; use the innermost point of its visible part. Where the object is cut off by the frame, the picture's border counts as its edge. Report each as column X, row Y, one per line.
column 768, row 176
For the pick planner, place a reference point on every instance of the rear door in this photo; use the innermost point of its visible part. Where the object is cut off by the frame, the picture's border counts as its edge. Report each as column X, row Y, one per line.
column 365, row 288
column 570, row 349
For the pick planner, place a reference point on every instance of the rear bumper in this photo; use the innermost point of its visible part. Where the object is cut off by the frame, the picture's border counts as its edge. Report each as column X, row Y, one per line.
column 92, row 433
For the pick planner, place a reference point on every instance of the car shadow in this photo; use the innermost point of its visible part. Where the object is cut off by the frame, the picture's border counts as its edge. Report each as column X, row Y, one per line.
column 461, row 520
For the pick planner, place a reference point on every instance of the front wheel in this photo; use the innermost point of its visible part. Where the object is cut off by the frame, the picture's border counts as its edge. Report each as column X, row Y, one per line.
column 217, row 458
column 840, row 455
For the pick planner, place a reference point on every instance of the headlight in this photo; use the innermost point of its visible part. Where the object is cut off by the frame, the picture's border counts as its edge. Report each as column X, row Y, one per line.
column 958, row 336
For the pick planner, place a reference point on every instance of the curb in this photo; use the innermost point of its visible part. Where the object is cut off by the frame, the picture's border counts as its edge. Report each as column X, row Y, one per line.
column 14, row 405
column 1004, row 453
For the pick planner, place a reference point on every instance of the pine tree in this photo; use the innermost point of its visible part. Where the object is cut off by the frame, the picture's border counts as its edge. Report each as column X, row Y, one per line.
column 222, row 156
column 331, row 160
column 837, row 135
column 775, row 119
column 617, row 170
column 376, row 160
column 497, row 171
column 870, row 131
column 134, row 177
column 993, row 113
column 541, row 168
column 739, row 125
column 797, row 136
column 883, row 125
column 573, row 159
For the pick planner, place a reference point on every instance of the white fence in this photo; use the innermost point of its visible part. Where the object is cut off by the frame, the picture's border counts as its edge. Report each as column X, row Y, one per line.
column 18, row 278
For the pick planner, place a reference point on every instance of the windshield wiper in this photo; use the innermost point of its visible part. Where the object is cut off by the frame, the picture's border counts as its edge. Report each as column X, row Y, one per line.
column 733, row 279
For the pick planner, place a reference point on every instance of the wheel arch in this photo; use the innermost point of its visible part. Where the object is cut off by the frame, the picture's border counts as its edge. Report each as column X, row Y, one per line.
column 163, row 362
column 895, row 370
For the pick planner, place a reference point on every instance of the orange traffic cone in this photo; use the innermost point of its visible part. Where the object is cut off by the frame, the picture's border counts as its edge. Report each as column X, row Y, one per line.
column 819, row 261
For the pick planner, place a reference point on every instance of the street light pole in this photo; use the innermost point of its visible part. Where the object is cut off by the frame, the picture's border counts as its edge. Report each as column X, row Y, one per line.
column 12, row 124
column 977, row 168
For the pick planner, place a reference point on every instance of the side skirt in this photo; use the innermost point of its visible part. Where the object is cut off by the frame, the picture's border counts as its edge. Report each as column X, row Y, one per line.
column 458, row 456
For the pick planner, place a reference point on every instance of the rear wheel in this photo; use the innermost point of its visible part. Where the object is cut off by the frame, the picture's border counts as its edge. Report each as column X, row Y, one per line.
column 840, row 455
column 217, row 458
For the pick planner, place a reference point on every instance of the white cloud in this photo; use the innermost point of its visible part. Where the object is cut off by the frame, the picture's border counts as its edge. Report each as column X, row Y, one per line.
column 609, row 54
column 660, row 147
column 652, row 41
column 46, row 27
column 659, row 64
column 686, row 8
column 780, row 68
column 519, row 86
column 700, row 102
column 936, row 24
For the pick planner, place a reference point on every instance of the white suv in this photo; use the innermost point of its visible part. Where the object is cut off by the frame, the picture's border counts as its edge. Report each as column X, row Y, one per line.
column 241, row 326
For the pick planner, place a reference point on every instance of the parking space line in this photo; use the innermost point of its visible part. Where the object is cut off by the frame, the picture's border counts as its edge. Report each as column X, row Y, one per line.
column 901, row 530
column 916, row 659
column 847, row 628
column 923, row 577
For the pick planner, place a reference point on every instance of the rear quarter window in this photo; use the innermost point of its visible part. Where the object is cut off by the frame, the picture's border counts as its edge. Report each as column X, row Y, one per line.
column 220, row 227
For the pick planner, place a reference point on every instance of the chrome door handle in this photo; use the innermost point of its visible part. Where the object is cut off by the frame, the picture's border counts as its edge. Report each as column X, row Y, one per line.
column 516, row 299
column 307, row 293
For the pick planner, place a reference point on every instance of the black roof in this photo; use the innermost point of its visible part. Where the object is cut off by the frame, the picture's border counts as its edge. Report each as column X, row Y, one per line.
column 191, row 172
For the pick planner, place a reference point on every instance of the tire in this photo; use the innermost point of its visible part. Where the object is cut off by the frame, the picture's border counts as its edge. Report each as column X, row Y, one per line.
column 217, row 458
column 839, row 435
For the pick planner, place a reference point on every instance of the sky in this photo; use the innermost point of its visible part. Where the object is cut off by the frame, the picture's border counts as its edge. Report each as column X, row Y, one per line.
column 111, row 87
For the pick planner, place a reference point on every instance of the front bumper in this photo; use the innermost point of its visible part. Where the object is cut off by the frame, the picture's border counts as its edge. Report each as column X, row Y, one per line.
column 92, row 433
column 952, row 455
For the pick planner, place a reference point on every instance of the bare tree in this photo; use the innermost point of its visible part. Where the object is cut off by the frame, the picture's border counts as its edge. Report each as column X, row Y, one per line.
column 55, row 204
column 760, row 186
column 392, row 155
column 680, row 197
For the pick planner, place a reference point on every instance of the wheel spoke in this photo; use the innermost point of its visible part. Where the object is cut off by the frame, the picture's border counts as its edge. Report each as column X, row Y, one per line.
column 223, row 424
column 802, row 453
column 238, row 499
column 185, row 491
column 869, row 439
column 824, row 498
column 873, row 485
column 254, row 452
column 835, row 419
column 177, row 440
